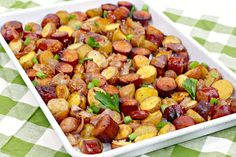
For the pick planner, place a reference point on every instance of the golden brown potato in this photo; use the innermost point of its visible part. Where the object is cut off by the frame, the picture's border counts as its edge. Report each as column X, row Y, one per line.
column 75, row 24
column 48, row 30
column 167, row 53
column 111, row 74
column 200, row 72
column 105, row 48
column 148, row 45
column 145, row 131
column 67, row 29
column 212, row 76
column 59, row 108
column 94, row 12
column 26, row 60
column 83, row 50
column 180, row 80
column 151, row 104
column 124, row 132
column 91, row 96
column 140, row 61
column 73, row 139
column 170, row 39
column 167, row 128
column 147, row 73
column 127, row 91
column 63, row 16
column 224, row 87
column 16, row 45
column 118, row 35
column 169, row 101
column 153, row 118
column 98, row 58
column 188, row 103
column 74, row 99
column 45, row 57
column 112, row 27
column 145, row 92
column 179, row 96
column 69, row 124
column 87, row 131
column 117, row 144
column 62, row 91
column 196, row 117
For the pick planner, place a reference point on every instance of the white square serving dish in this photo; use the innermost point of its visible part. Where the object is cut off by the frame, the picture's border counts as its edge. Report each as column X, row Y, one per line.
column 195, row 51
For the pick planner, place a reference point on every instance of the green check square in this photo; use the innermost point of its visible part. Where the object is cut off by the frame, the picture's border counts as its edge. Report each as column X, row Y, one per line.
column 3, row 140
column 229, row 134
column 228, row 50
column 19, row 80
column 180, row 151
column 205, row 24
column 16, row 147
column 39, row 118
column 22, row 111
column 6, row 104
column 61, row 154
column 2, row 50
column 200, row 40
column 39, row 151
column 162, row 152
column 172, row 16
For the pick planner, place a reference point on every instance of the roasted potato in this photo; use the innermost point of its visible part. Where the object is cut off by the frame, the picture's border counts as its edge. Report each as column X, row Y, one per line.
column 74, row 99
column 144, row 93
column 170, row 39
column 26, row 60
column 98, row 58
column 48, row 30
column 127, row 91
column 120, row 143
column 140, row 61
column 212, row 76
column 180, row 80
column 67, row 29
column 188, row 103
column 118, row 35
column 111, row 74
column 224, row 87
column 200, row 72
column 45, row 57
column 151, row 104
column 147, row 73
column 87, row 131
column 16, row 45
column 145, row 131
column 167, row 128
column 62, row 91
column 153, row 118
column 179, row 96
column 196, row 117
column 124, row 132
column 91, row 96
column 94, row 12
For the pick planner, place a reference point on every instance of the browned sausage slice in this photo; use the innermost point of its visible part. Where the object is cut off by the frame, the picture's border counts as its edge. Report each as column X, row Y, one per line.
column 177, row 64
column 47, row 92
column 121, row 13
column 130, row 78
column 15, row 25
column 183, row 122
column 106, row 129
column 154, row 35
column 122, row 46
column 142, row 16
column 63, row 37
column 31, row 73
column 125, row 4
column 65, row 68
column 170, row 73
column 90, row 76
column 50, row 44
column 220, row 111
column 128, row 105
column 69, row 56
column 160, row 63
column 140, row 51
column 109, row 7
column 90, row 146
column 139, row 115
column 165, row 86
column 80, row 15
column 78, row 85
column 91, row 67
column 175, row 47
column 51, row 18
column 206, row 94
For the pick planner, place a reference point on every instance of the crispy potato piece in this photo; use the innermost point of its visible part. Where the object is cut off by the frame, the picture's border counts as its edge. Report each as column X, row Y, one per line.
column 151, row 104
column 124, row 132
column 16, row 45
column 212, row 76
column 74, row 99
column 145, row 131
column 188, row 103
column 111, row 74
column 140, row 61
column 75, row 46
column 169, row 101
column 87, row 131
column 224, row 87
column 127, row 91
column 118, row 35
column 147, row 73
column 167, row 128
column 145, row 92
column 62, row 91
column 153, row 118
column 180, row 80
column 112, row 27
column 148, row 45
column 74, row 24
column 179, row 96
column 94, row 12
column 200, row 72
column 67, row 29
column 48, row 30
column 98, row 58
column 91, row 96
column 170, row 39
column 45, row 57
column 121, row 143
column 196, row 117
column 26, row 60
column 106, row 47
column 83, row 50
column 63, row 16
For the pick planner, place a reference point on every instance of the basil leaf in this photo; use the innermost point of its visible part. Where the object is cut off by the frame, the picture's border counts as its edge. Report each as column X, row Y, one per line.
column 190, row 85
column 93, row 43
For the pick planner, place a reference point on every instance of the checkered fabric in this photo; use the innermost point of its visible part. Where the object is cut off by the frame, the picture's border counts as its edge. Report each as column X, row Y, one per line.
column 25, row 131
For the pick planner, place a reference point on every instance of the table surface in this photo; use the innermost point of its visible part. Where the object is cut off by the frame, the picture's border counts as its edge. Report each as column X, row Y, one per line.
column 24, row 130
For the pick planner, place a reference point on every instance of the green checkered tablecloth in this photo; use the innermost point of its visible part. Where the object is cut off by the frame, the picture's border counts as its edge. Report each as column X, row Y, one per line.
column 24, row 130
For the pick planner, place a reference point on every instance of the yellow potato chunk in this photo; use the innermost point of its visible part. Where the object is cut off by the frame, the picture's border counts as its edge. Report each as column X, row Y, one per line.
column 140, row 61
column 180, row 80
column 97, row 58
column 147, row 73
column 91, row 95
column 144, row 132
column 151, row 104
column 110, row 72
column 127, row 91
column 16, row 45
column 83, row 50
column 26, row 60
column 145, row 92
column 196, row 117
column 74, row 99
column 153, row 118
column 224, row 87
column 67, row 29
column 167, row 128
column 124, row 132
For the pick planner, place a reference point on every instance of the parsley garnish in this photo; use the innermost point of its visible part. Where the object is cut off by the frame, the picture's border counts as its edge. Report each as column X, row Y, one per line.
column 27, row 41
column 190, row 85
column 133, row 9
column 161, row 125
column 129, row 36
column 71, row 16
column 94, row 83
column 27, row 28
column 145, row 7
column 41, row 75
column 107, row 101
column 84, row 60
column 93, row 43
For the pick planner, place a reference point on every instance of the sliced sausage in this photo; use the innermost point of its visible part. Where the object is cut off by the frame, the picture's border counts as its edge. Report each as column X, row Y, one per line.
column 80, row 15
column 154, row 35
column 139, row 115
column 49, row 44
column 30, row 35
column 69, row 56
column 31, row 73
column 142, row 16
column 90, row 146
column 15, row 25
column 121, row 13
column 9, row 34
column 122, row 46
column 160, row 63
column 65, row 68
column 129, row 105
column 47, row 92
column 125, row 4
column 110, row 89
column 140, row 51
column 78, row 85
column 176, row 47
column 53, row 18
column 90, row 76
column 165, row 86
column 203, row 108
column 108, row 7
column 130, row 78
column 106, row 129
column 220, row 111
column 63, row 37
column 183, row 122
column 173, row 111
column 177, row 64
column 170, row 73
column 205, row 94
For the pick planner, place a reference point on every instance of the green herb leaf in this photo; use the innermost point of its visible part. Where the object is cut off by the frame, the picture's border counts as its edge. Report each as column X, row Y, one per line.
column 205, row 65
column 71, row 16
column 27, row 28
column 93, row 43
column 89, row 110
column 77, row 27
column 105, row 13
column 95, row 109
column 144, row 85
column 133, row 9
column 84, row 60
column 145, row 7
column 214, row 74
column 213, row 101
column 127, row 119
column 129, row 36
column 56, row 57
column 193, row 64
column 27, row 41
column 132, row 136
column 190, row 85
column 111, row 102
column 35, row 61
column 94, row 83
column 41, row 75
column 163, row 107
column 96, row 24
column 161, row 125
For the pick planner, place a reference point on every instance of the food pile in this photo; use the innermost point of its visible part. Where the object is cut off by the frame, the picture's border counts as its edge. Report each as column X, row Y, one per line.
column 108, row 76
